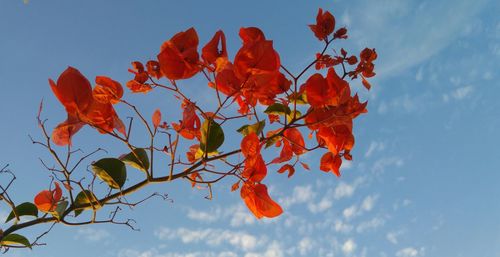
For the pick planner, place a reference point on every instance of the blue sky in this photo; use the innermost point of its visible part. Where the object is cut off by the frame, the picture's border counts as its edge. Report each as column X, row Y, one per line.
column 424, row 180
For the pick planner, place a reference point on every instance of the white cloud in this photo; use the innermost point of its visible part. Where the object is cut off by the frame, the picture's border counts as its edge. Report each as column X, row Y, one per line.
column 349, row 247
column 323, row 205
column 344, row 190
column 341, row 226
column 305, row 245
column 203, row 216
column 92, row 235
column 369, row 202
column 366, row 205
column 410, row 252
column 301, row 194
column 156, row 253
column 350, row 211
column 345, row 165
column 240, row 216
column 212, row 237
column 274, row 249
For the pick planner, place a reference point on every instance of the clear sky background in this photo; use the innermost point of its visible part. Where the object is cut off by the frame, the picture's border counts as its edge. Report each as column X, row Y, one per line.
column 425, row 176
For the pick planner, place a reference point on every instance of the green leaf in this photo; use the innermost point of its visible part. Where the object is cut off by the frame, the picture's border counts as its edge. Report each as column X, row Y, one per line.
column 61, row 207
column 112, row 171
column 257, row 128
column 24, row 209
column 137, row 159
column 83, row 198
column 272, row 141
column 278, row 109
column 289, row 117
column 12, row 239
column 212, row 136
column 298, row 98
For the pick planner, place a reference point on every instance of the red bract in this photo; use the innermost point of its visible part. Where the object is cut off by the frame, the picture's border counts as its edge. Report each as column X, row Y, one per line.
column 179, row 58
column 255, row 168
column 287, row 167
column 258, row 201
column 189, row 127
column 366, row 66
column 331, row 162
column 215, row 48
column 95, row 110
column 332, row 91
column 46, row 200
column 107, row 90
column 138, row 84
column 73, row 91
column 325, row 24
column 156, row 118
column 296, row 140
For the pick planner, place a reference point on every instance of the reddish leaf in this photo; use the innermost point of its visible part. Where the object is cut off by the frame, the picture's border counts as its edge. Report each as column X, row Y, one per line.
column 255, row 169
column 107, row 90
column 251, row 34
column 305, row 165
column 235, row 186
column 340, row 33
column 287, row 167
column 189, row 128
column 325, row 24
column 46, row 200
column 286, row 153
column 153, row 68
column 179, row 57
column 258, row 201
column 73, row 90
column 211, row 50
column 365, row 83
column 250, row 145
column 156, row 118
column 331, row 162
column 296, row 140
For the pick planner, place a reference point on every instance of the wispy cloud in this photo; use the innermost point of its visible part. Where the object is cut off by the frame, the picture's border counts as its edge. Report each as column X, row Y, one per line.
column 423, row 34
column 92, row 234
column 458, row 94
column 374, row 147
column 212, row 237
column 410, row 252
